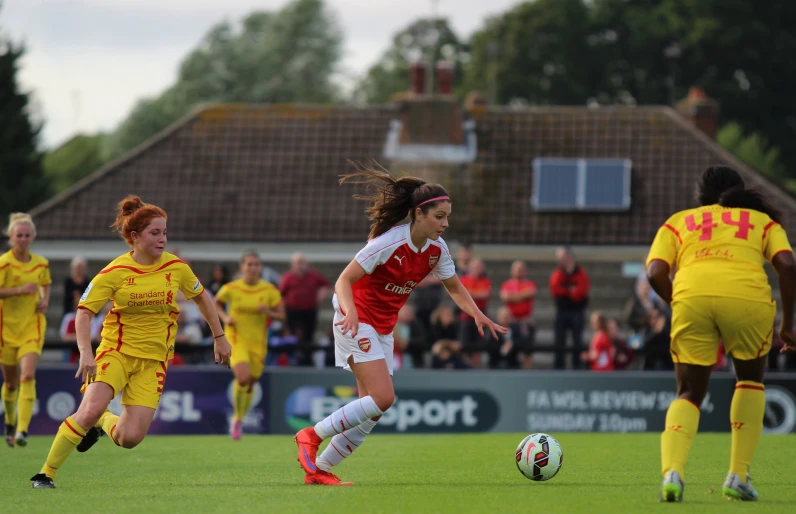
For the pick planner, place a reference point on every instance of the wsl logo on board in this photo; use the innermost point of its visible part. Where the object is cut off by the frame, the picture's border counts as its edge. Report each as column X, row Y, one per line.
column 414, row 411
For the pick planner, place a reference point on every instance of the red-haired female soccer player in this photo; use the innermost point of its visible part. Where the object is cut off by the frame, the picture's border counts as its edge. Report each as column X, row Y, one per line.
column 137, row 337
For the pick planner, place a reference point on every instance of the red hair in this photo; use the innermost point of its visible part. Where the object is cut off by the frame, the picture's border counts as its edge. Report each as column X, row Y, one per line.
column 134, row 216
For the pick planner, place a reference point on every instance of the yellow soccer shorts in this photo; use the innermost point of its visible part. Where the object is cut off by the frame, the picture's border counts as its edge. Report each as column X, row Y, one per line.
column 141, row 379
column 255, row 359
column 31, row 341
column 744, row 327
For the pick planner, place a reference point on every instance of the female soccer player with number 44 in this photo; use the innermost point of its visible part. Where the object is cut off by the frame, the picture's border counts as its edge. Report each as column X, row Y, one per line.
column 721, row 292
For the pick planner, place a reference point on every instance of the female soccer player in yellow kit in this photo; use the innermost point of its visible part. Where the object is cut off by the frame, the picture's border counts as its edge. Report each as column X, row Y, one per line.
column 721, row 292
column 252, row 303
column 137, row 337
column 25, row 293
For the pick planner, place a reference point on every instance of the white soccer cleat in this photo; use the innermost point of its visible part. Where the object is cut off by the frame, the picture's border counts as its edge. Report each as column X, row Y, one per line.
column 672, row 487
column 737, row 489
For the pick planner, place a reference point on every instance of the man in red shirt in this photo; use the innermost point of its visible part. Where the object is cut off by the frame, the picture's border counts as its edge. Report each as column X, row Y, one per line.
column 302, row 289
column 480, row 288
column 518, row 294
column 569, row 286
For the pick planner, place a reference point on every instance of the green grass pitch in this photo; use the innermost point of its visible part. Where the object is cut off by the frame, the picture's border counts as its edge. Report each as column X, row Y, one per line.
column 602, row 473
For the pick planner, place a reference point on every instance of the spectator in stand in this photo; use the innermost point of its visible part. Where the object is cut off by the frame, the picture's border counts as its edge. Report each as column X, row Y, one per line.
column 302, row 290
column 218, row 278
column 425, row 298
column 504, row 354
column 601, row 350
column 657, row 342
column 569, row 286
column 446, row 354
column 480, row 288
column 639, row 305
column 443, row 324
column 623, row 354
column 411, row 338
column 75, row 284
column 464, row 255
column 517, row 294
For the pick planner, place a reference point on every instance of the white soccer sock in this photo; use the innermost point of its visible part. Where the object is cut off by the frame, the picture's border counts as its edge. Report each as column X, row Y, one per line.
column 348, row 416
column 343, row 445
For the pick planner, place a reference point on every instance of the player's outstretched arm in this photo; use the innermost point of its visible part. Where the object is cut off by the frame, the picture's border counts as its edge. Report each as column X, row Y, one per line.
column 345, row 297
column 462, row 298
column 222, row 348
column 661, row 282
column 785, row 265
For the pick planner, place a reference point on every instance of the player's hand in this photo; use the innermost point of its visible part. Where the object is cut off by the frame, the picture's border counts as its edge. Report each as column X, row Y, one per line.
column 789, row 338
column 42, row 306
column 350, row 322
column 482, row 321
column 29, row 288
column 87, row 368
column 222, row 350
column 229, row 321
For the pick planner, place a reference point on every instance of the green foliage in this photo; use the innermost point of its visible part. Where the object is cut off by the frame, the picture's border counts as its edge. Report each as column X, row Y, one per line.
column 752, row 149
column 425, row 39
column 284, row 56
column 74, row 160
column 22, row 181
column 536, row 53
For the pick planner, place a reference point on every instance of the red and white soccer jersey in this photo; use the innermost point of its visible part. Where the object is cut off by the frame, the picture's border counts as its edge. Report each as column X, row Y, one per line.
column 394, row 266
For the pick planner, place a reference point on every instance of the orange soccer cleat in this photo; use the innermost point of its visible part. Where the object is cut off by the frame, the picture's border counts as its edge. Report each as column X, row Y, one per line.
column 322, row 477
column 308, row 442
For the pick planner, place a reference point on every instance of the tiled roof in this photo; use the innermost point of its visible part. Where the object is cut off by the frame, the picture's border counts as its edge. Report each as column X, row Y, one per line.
column 269, row 173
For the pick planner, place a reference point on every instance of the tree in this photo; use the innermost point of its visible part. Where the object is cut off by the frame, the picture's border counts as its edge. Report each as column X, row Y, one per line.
column 74, row 160
column 430, row 40
column 751, row 149
column 535, row 53
column 285, row 56
column 740, row 53
column 22, row 182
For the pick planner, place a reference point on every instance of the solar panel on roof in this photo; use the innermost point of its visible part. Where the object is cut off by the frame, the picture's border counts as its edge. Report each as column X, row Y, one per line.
column 581, row 184
column 555, row 184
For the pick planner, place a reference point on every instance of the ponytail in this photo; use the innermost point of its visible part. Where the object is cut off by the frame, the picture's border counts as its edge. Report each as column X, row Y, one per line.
column 743, row 198
column 392, row 200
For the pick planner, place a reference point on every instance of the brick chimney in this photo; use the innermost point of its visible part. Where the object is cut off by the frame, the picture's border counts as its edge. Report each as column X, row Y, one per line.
column 700, row 110
column 445, row 78
column 418, row 75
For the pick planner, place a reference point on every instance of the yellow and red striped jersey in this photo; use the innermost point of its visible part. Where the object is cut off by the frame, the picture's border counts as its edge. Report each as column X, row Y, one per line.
column 19, row 321
column 719, row 251
column 143, row 320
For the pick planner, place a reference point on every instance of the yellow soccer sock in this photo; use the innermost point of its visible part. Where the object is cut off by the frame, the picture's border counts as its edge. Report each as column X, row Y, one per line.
column 746, row 419
column 101, row 419
column 240, row 406
column 10, row 404
column 109, row 421
column 247, row 400
column 27, row 398
column 682, row 422
column 68, row 437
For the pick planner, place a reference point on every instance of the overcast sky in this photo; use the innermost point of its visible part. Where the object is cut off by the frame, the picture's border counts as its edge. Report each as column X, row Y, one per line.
column 88, row 61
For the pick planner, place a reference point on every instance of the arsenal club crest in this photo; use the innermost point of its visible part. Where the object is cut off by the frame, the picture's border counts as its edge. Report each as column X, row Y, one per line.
column 432, row 260
column 364, row 344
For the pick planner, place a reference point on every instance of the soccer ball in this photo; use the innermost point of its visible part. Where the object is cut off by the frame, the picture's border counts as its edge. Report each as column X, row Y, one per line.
column 539, row 457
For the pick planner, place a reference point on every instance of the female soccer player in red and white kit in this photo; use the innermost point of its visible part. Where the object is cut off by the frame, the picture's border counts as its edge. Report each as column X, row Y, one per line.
column 368, row 295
